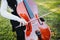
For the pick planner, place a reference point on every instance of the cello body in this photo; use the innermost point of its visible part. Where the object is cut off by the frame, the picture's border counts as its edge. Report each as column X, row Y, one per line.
column 36, row 29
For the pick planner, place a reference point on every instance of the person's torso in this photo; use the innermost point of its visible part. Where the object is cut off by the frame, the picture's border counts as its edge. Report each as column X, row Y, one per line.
column 13, row 4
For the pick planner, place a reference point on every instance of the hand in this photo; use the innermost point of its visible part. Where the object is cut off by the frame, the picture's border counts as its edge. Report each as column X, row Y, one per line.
column 23, row 22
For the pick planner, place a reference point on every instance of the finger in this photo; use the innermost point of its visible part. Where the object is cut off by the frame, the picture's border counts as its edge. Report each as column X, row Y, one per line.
column 20, row 24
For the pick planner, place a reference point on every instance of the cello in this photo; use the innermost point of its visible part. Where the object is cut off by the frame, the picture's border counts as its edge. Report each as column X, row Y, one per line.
column 36, row 29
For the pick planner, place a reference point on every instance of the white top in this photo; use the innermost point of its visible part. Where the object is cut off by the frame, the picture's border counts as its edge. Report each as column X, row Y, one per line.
column 7, row 14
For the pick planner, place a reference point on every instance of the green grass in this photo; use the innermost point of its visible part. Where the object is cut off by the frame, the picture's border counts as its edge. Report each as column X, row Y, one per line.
column 5, row 29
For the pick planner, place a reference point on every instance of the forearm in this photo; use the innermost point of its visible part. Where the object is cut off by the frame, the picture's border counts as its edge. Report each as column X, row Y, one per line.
column 10, row 16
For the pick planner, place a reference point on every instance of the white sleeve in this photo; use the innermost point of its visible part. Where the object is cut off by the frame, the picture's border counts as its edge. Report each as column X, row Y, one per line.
column 6, row 14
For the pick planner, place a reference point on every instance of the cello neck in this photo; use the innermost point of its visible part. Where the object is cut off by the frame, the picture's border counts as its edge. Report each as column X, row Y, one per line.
column 30, row 13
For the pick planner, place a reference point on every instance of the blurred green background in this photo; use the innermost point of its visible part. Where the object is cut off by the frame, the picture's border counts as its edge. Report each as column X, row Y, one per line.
column 44, row 7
